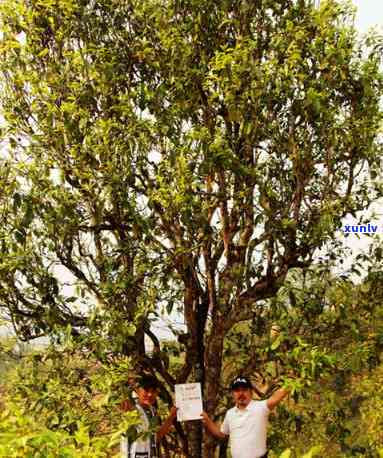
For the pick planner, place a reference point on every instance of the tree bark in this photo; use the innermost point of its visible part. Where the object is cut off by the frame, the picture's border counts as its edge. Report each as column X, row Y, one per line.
column 194, row 429
column 213, row 360
column 223, row 449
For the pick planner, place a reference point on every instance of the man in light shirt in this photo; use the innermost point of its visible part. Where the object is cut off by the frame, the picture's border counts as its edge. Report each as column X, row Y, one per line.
column 147, row 446
column 246, row 423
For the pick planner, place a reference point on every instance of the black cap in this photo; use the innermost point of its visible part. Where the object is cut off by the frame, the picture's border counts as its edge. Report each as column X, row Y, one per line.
column 241, row 382
column 148, row 381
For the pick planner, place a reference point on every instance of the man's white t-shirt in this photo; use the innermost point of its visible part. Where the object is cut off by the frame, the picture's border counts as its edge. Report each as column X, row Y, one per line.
column 247, row 429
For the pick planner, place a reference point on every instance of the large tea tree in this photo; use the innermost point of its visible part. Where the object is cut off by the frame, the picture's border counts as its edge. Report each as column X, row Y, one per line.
column 177, row 154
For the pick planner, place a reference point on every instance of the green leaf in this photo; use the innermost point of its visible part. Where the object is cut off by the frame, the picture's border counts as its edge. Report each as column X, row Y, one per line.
column 313, row 452
column 277, row 342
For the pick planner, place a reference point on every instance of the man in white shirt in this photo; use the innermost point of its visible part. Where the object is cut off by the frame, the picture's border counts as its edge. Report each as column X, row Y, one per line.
column 246, row 423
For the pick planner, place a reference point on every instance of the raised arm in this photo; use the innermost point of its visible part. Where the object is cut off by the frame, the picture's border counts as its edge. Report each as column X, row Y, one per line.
column 276, row 398
column 212, row 427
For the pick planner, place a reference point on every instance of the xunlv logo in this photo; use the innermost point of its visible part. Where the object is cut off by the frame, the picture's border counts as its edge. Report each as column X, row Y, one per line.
column 360, row 229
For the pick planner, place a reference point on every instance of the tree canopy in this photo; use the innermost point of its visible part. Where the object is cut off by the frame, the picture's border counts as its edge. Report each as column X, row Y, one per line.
column 184, row 154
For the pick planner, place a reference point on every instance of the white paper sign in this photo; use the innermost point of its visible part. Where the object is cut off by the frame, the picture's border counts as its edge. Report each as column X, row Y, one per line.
column 188, row 401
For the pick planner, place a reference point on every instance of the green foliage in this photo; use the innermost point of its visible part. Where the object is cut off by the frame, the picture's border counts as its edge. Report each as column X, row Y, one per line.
column 322, row 339
column 345, row 423
column 129, row 126
column 341, row 411
column 314, row 451
column 60, row 403
column 20, row 436
column 187, row 155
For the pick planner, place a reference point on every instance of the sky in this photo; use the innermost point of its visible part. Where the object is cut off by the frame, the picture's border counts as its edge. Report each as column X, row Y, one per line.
column 369, row 14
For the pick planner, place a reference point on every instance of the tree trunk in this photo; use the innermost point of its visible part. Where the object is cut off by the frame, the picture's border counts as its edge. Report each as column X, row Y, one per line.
column 194, row 429
column 209, row 445
column 213, row 360
column 194, row 434
column 223, row 449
